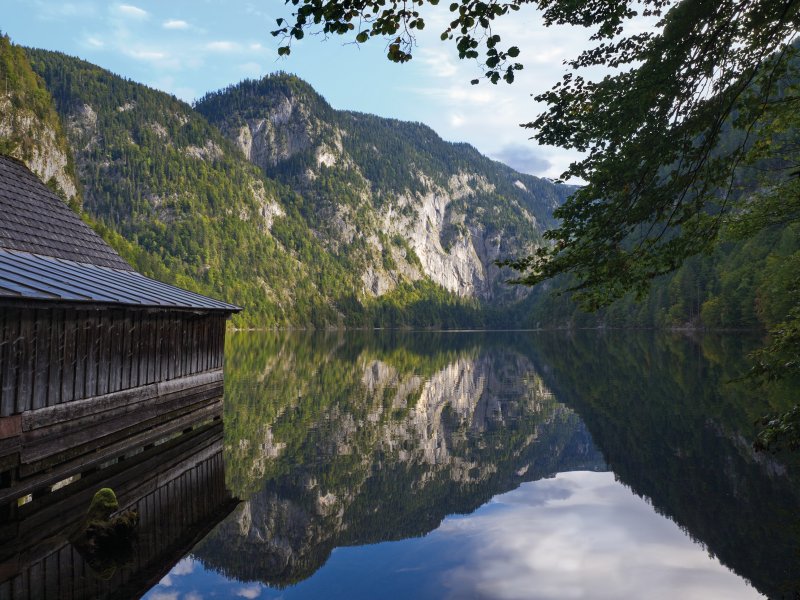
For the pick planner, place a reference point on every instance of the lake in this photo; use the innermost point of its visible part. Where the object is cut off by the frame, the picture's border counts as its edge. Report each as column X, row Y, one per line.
column 495, row 465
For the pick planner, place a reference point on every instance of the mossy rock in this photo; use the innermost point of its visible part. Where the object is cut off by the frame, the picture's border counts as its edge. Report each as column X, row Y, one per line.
column 102, row 506
column 105, row 542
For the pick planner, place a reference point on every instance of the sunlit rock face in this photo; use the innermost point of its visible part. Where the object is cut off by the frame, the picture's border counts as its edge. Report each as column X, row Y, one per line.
column 447, row 249
column 452, row 252
column 391, row 196
column 277, row 137
column 398, row 449
column 384, row 435
column 37, row 143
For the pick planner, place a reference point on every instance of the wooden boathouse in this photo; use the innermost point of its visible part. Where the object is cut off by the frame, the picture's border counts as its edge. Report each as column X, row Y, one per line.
column 91, row 352
column 177, row 489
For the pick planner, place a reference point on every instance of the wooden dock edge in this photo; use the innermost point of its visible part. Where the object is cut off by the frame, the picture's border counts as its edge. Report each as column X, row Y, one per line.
column 69, row 411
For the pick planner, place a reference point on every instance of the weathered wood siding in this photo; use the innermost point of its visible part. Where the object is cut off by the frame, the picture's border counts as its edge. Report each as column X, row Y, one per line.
column 49, row 356
column 179, row 491
column 71, row 439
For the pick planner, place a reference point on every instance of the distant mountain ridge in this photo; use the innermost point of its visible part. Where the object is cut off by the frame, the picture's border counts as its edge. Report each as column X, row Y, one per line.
column 265, row 196
column 30, row 129
column 430, row 208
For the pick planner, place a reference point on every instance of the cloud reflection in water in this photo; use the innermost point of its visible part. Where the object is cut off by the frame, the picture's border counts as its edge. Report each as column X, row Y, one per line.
column 579, row 535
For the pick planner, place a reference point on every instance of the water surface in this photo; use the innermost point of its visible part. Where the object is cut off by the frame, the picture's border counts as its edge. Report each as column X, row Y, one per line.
column 497, row 465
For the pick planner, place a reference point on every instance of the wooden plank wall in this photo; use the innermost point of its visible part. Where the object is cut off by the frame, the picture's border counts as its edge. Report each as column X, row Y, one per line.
column 174, row 515
column 52, row 356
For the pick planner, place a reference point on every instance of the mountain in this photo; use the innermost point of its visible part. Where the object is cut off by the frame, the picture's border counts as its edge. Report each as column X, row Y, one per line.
column 265, row 196
column 30, row 129
column 393, row 197
column 335, row 440
column 155, row 173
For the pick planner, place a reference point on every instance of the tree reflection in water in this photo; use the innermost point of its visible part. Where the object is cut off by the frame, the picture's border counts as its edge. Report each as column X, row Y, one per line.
column 335, row 440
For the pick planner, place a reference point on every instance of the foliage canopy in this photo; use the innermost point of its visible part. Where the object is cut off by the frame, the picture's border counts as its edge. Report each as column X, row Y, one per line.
column 690, row 138
column 660, row 179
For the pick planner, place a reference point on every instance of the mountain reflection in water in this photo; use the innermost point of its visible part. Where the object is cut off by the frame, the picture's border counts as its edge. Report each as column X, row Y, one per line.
column 339, row 443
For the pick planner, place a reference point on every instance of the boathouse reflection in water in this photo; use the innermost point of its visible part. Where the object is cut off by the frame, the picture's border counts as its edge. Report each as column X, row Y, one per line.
column 175, row 484
column 108, row 379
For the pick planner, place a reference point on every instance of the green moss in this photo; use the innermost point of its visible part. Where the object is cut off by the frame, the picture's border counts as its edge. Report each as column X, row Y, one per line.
column 104, row 503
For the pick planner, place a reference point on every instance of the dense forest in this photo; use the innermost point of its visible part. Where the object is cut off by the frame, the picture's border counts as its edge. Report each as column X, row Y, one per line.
column 742, row 284
column 338, row 440
column 290, row 231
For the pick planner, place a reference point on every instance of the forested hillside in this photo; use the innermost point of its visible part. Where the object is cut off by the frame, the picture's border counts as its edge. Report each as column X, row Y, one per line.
column 264, row 195
column 393, row 198
column 741, row 285
column 746, row 282
column 30, row 129
column 155, row 173
column 375, row 223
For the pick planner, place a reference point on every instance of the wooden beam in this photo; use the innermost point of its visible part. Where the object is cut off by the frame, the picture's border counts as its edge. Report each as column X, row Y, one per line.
column 88, row 406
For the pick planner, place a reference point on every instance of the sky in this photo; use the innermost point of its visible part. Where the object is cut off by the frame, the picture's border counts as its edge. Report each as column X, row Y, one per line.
column 190, row 47
column 575, row 535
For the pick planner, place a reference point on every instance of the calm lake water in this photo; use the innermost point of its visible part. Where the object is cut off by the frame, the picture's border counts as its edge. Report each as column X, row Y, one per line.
column 495, row 465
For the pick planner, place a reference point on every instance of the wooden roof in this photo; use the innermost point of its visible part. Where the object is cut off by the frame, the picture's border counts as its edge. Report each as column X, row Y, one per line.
column 47, row 253
column 33, row 219
column 34, row 277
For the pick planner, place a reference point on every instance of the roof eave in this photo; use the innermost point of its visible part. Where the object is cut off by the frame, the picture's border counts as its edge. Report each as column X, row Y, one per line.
column 103, row 305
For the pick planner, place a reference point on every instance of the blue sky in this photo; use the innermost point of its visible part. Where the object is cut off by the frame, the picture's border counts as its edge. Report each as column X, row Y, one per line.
column 190, row 47
column 575, row 535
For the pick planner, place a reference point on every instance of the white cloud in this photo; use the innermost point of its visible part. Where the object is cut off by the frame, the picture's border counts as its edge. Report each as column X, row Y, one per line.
column 251, row 69
column 184, row 567
column 456, row 120
column 250, row 592
column 192, row 596
column 548, row 56
column 94, row 42
column 146, row 54
column 50, row 11
column 460, row 94
column 163, row 596
column 175, row 24
column 256, row 11
column 223, row 46
column 132, row 11
column 439, row 62
column 580, row 535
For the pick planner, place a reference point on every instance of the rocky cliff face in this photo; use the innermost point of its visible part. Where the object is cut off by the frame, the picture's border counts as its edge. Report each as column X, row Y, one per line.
column 282, row 133
column 410, row 449
column 30, row 129
column 404, row 203
column 345, row 218
column 42, row 148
